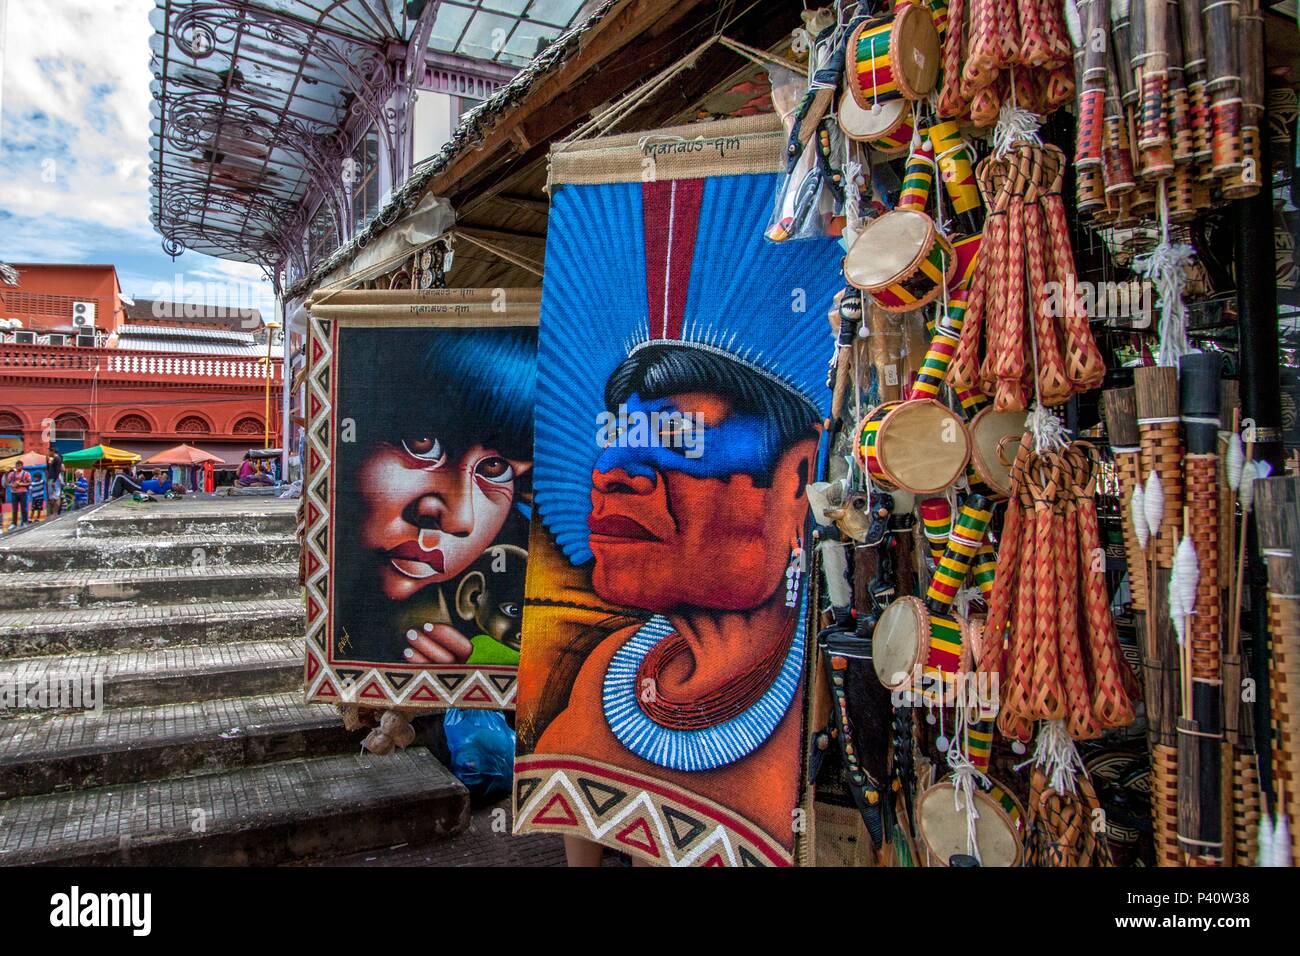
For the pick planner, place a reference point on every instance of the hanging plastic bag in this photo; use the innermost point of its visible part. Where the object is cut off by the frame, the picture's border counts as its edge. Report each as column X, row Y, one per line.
column 482, row 747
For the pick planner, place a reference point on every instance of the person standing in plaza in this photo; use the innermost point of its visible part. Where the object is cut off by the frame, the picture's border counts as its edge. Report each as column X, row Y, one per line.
column 19, row 486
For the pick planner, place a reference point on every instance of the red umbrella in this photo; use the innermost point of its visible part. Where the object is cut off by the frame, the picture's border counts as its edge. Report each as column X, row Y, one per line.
column 183, row 455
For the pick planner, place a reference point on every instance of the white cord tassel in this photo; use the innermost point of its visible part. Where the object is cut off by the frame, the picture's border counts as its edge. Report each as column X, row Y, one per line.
column 1264, row 841
column 1015, row 125
column 1188, row 569
column 1234, row 461
column 1049, row 431
column 1056, row 754
column 1166, row 267
column 1137, row 515
column 1246, row 492
column 1177, row 612
column 1153, row 504
column 1281, row 848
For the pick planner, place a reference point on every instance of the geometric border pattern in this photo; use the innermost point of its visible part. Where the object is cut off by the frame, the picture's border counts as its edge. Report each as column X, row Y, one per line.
column 372, row 685
column 646, row 817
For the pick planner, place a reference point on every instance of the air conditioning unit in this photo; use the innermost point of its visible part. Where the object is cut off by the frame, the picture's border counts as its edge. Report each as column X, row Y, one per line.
column 83, row 315
column 86, row 341
column 26, row 337
column 54, row 338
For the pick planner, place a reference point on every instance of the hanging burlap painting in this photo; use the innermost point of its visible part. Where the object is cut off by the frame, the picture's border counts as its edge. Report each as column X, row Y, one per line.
column 681, row 386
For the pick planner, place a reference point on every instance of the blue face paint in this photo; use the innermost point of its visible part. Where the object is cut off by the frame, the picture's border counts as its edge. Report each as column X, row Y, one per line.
column 642, row 440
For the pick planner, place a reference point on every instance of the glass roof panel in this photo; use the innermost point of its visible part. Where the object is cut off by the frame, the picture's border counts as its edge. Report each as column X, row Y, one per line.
column 502, row 31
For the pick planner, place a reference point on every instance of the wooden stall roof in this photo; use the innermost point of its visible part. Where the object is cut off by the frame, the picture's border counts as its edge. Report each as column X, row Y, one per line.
column 494, row 169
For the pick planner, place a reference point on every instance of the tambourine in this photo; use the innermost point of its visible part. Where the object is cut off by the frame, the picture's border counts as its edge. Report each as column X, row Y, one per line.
column 907, row 636
column 885, row 127
column 921, row 446
column 942, row 824
column 994, row 437
column 901, row 259
column 895, row 56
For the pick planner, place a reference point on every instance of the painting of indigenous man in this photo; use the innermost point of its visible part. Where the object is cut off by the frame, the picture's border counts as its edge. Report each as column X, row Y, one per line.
column 681, row 387
column 430, row 490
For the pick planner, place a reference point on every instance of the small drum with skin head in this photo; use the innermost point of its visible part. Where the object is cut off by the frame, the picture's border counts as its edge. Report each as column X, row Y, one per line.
column 995, row 437
column 895, row 56
column 901, row 259
column 885, row 127
column 908, row 636
column 941, row 817
column 920, row 446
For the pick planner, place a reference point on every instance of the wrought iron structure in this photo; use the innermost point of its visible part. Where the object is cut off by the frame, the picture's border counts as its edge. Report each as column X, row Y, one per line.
column 258, row 105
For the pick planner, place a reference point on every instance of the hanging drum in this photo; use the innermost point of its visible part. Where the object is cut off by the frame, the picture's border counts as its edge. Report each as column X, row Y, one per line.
column 886, row 127
column 901, row 259
column 892, row 57
column 908, row 636
column 942, row 819
column 995, row 437
column 920, row 446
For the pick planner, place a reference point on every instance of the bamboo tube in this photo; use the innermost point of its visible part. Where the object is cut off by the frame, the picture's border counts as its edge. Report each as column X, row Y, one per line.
column 1200, row 733
column 1155, row 150
column 1277, row 516
column 1245, row 181
column 1223, row 84
column 1120, row 407
column 1194, row 64
column 1162, row 450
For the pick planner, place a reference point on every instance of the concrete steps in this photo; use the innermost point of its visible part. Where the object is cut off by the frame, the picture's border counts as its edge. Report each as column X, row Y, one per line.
column 124, row 744
column 170, row 675
column 29, row 633
column 130, row 587
column 183, row 621
column 178, row 551
column 252, row 816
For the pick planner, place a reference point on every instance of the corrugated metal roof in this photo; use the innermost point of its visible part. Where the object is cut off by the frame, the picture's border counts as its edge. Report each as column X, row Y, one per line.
column 181, row 347
column 224, row 336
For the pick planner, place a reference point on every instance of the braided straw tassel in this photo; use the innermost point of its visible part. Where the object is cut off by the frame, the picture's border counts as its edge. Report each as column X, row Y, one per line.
column 1083, row 362
column 981, row 67
column 1035, row 51
column 1079, row 720
column 1053, row 386
column 1110, row 702
column 1009, row 34
column 951, row 103
column 1010, row 361
column 1048, row 700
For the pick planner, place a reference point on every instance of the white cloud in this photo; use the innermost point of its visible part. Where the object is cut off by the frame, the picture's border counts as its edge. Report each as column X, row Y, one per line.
column 76, row 112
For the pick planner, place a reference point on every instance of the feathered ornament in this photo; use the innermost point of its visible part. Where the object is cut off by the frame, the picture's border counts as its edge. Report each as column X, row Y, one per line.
column 1153, row 504
column 1246, row 489
column 1137, row 514
column 1187, row 572
column 1177, row 610
column 1234, row 461
column 1281, row 855
column 1264, row 840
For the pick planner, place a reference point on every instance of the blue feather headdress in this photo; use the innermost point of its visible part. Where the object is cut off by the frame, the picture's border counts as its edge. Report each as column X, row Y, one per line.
column 681, row 262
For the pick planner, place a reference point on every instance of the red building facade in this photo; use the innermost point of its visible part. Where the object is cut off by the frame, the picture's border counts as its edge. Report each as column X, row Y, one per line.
column 131, row 381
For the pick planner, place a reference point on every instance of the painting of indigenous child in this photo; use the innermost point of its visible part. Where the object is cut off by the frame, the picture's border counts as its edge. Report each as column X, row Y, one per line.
column 431, row 491
column 681, row 389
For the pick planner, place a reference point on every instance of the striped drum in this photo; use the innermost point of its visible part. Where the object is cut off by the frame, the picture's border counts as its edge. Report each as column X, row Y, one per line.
column 919, row 446
column 885, row 127
column 895, row 56
column 901, row 259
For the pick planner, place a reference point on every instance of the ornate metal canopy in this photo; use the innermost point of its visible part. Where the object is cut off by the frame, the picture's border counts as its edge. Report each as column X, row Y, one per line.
column 251, row 102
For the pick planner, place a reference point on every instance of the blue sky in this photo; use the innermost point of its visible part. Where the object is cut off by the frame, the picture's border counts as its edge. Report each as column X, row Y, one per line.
column 74, row 151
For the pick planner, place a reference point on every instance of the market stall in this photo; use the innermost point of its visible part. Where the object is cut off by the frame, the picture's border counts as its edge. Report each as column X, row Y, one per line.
column 907, row 454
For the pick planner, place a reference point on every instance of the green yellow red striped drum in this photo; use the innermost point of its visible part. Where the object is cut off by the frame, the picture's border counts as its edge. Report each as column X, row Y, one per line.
column 943, row 819
column 886, row 127
column 919, row 446
column 901, row 259
column 895, row 56
column 910, row 644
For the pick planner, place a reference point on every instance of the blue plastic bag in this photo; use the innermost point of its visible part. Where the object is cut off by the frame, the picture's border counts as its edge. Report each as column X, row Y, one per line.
column 482, row 747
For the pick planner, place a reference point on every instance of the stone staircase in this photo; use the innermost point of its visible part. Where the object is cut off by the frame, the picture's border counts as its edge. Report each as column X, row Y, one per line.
column 184, row 620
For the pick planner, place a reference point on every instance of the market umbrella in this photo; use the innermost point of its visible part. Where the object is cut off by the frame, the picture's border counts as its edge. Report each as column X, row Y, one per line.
column 101, row 455
column 183, row 454
column 28, row 459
